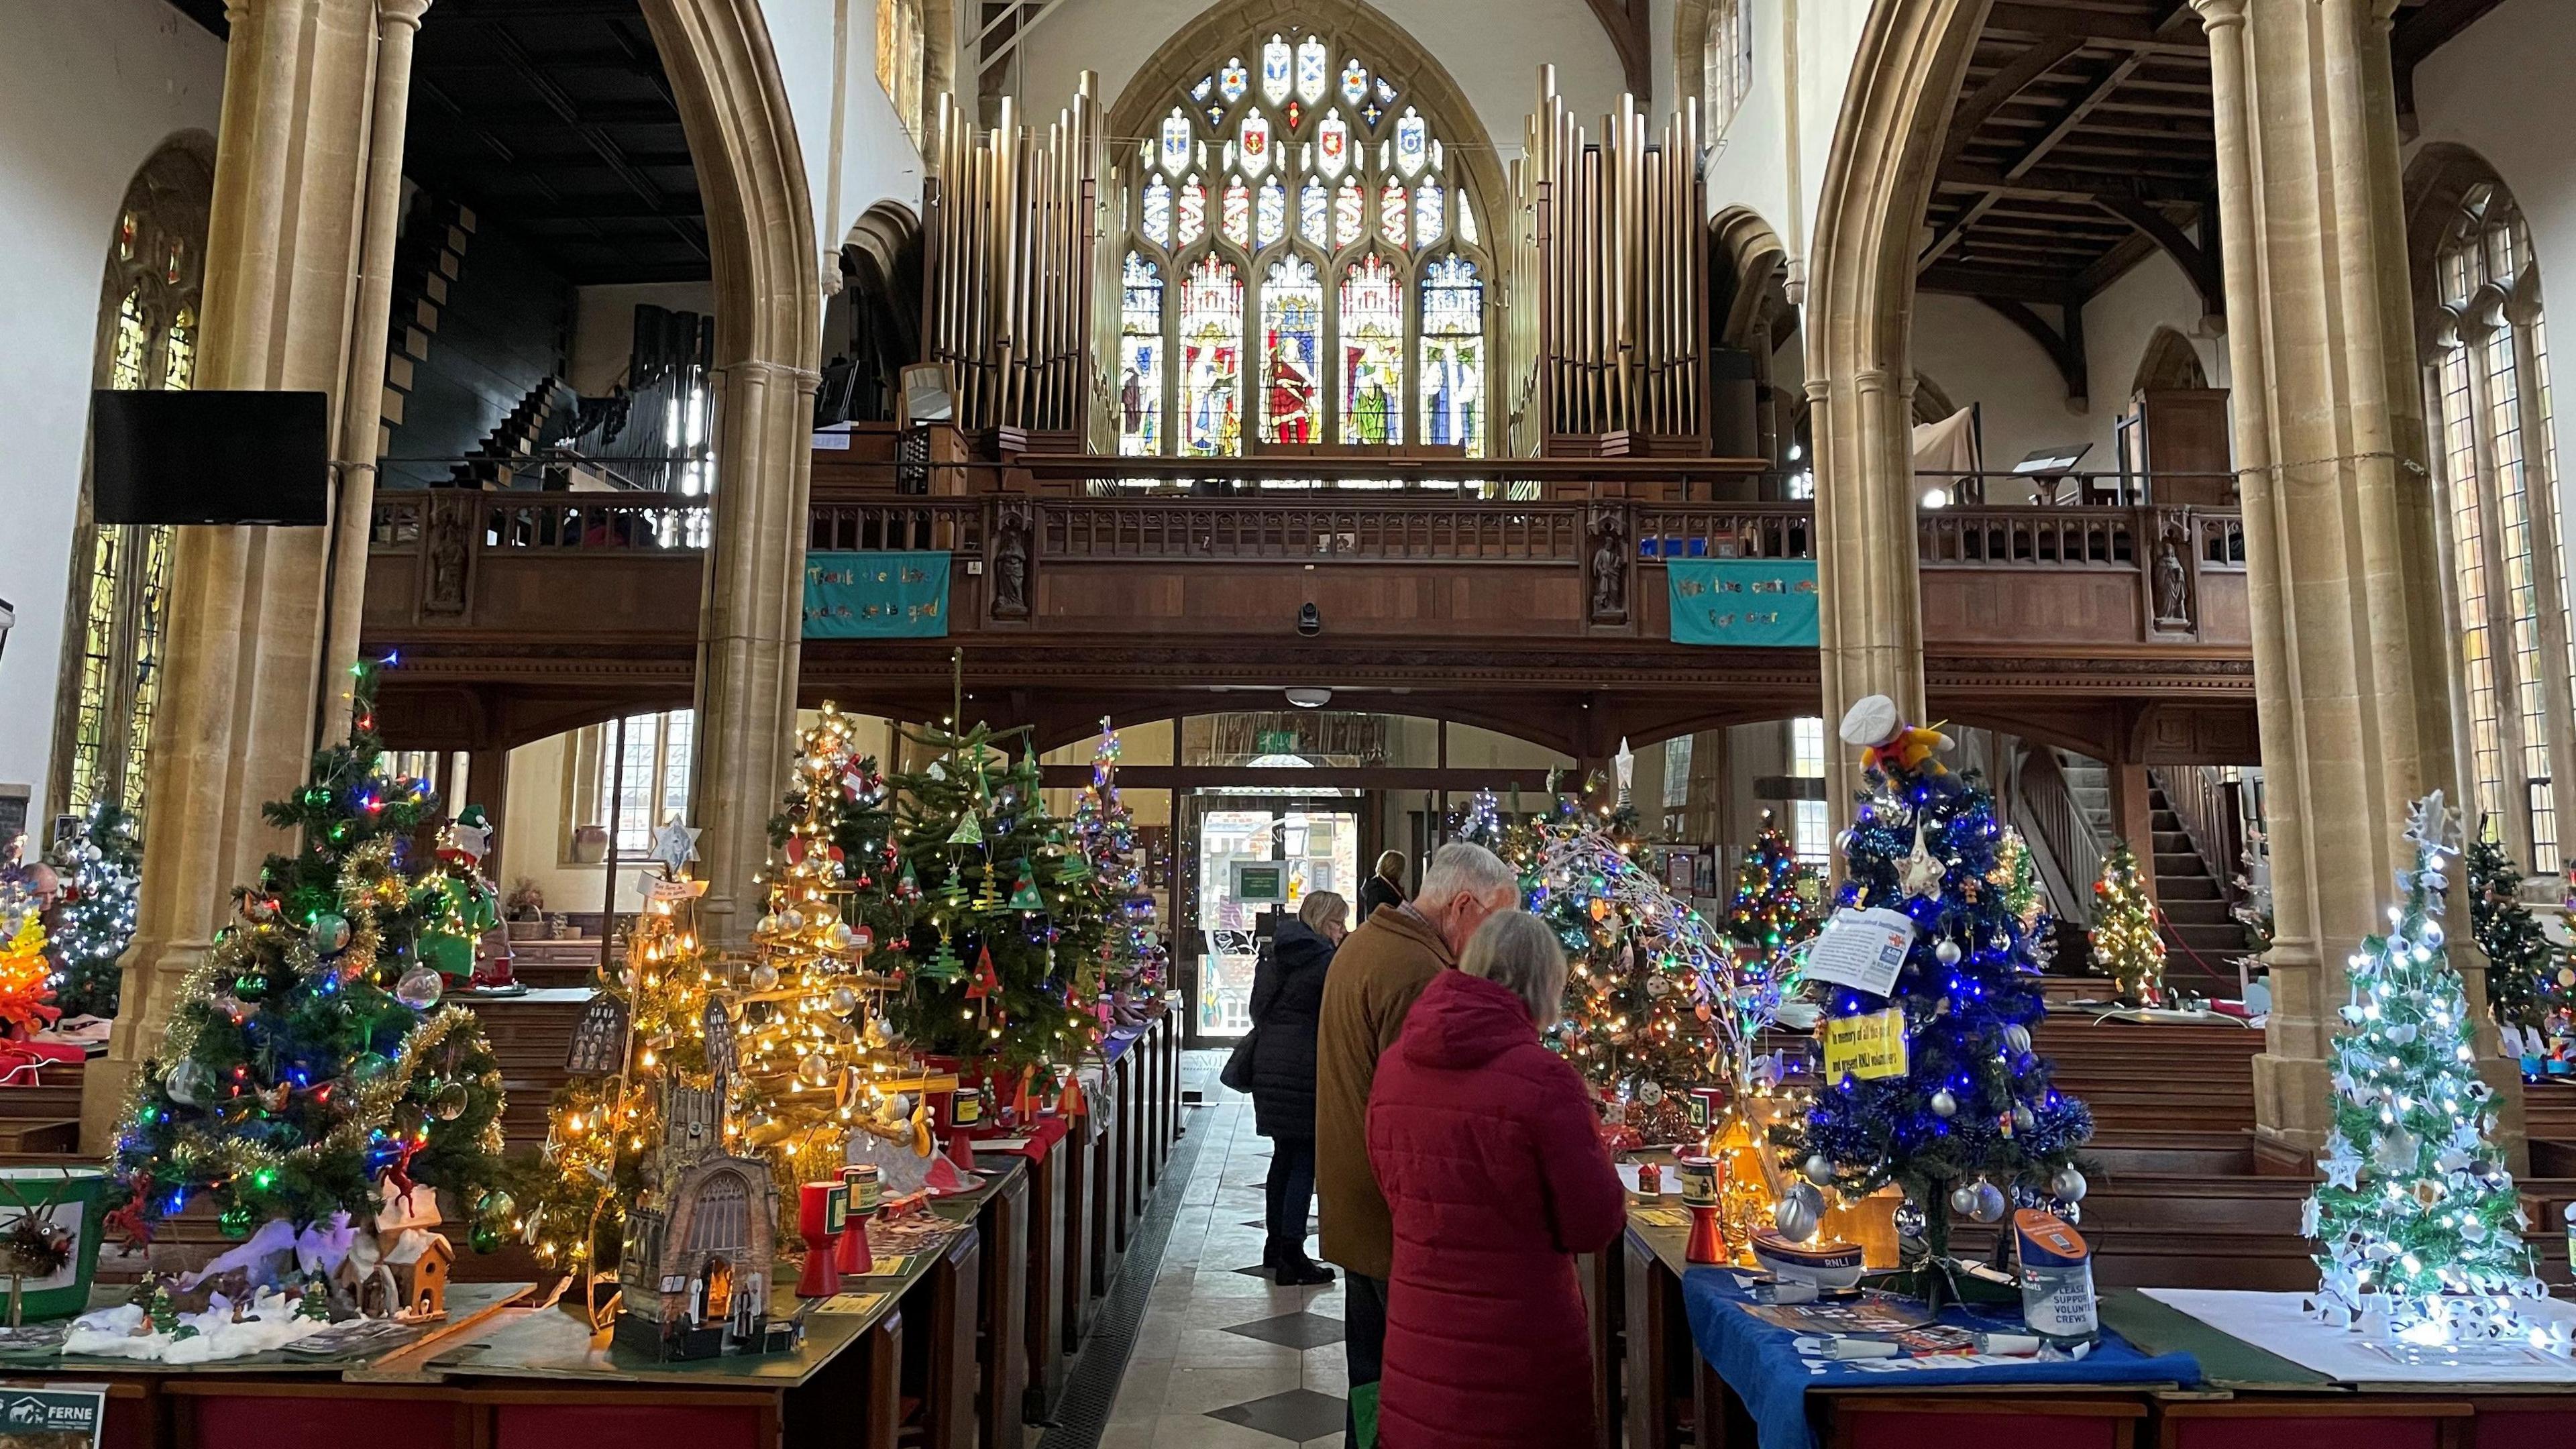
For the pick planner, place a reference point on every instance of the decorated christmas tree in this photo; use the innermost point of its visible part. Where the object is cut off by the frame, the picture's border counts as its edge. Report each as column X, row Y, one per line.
column 2417, row 1217
column 1009, row 915
column 2125, row 944
column 1133, row 959
column 2523, row 965
column 813, row 1039
column 100, row 863
column 308, row 1067
column 1774, row 906
column 1938, row 1089
column 646, row 1024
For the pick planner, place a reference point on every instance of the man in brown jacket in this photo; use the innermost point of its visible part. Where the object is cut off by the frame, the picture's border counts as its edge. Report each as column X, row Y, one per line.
column 1374, row 978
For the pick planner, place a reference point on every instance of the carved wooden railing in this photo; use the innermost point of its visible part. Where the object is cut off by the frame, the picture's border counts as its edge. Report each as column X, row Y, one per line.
column 2204, row 800
column 2097, row 575
column 2063, row 846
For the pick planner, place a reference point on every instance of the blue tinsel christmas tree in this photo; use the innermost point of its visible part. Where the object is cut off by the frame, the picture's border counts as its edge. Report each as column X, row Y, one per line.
column 1972, row 1126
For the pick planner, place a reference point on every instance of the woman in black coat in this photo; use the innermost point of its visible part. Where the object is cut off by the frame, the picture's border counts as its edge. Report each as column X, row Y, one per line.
column 1385, row 887
column 1287, row 999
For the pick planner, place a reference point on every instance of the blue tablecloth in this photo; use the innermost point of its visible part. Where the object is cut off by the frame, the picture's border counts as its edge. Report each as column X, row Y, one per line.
column 1761, row 1363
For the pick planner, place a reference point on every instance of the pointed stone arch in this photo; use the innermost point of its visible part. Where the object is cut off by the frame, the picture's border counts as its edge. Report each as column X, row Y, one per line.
column 2169, row 362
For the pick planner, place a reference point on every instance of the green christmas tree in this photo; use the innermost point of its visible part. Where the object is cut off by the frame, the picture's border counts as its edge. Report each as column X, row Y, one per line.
column 2417, row 1216
column 1104, row 845
column 307, row 1063
column 1774, row 905
column 101, row 867
column 1008, row 916
column 2522, row 963
column 2124, row 940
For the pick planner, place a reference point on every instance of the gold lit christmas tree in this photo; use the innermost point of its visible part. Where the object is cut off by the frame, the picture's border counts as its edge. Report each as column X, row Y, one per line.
column 2124, row 929
column 647, row 1024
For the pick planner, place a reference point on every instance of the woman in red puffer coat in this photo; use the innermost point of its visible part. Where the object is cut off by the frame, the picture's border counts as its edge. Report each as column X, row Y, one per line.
column 1484, row 1142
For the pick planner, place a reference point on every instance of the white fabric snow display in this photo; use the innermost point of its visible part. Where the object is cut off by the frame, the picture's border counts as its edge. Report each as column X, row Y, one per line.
column 109, row 1332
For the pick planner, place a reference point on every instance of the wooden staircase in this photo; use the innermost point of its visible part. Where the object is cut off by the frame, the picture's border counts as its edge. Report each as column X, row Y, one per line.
column 2202, row 940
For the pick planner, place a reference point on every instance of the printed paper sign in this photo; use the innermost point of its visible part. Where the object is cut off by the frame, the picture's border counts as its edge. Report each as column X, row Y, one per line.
column 1863, row 950
column 1865, row 1047
column 57, row 1417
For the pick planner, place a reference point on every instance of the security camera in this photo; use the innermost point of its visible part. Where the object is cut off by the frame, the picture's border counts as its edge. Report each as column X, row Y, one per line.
column 1310, row 620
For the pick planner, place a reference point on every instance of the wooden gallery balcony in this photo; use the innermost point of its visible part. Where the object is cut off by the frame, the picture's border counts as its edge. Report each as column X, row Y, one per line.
column 519, row 614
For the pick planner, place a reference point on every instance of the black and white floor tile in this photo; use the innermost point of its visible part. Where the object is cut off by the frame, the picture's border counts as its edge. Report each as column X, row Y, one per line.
column 1224, row 1359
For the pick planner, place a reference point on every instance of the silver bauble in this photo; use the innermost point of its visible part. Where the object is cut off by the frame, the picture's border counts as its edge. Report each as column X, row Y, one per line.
column 1909, row 1220
column 844, row 1001
column 1990, row 1203
column 1963, row 1199
column 190, row 1083
column 839, row 936
column 815, row 1070
column 1946, row 952
column 419, row 988
column 764, row 977
column 791, row 921
column 450, row 1102
column 1819, row 1169
column 1798, row 1213
column 2024, row 1119
column 1943, row 1104
column 2017, row 1037
column 2067, row 1185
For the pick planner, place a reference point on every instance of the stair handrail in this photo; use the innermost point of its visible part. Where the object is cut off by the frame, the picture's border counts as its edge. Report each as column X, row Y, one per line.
column 2204, row 800
column 2061, row 840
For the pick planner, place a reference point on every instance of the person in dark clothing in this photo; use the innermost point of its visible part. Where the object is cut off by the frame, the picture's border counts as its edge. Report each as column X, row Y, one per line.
column 1386, row 887
column 1287, row 997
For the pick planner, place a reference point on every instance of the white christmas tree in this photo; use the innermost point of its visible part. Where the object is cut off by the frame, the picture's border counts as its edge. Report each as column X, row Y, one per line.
column 2417, row 1216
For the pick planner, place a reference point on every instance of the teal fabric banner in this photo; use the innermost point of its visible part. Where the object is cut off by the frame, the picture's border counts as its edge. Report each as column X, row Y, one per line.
column 879, row 595
column 1743, row 603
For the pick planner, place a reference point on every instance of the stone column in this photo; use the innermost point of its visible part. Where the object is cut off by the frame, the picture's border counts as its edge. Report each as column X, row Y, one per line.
column 2345, row 582
column 750, row 630
column 1870, row 597
column 246, row 693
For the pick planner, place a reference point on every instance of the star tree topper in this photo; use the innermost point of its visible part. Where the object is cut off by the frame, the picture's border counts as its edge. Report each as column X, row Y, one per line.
column 675, row 845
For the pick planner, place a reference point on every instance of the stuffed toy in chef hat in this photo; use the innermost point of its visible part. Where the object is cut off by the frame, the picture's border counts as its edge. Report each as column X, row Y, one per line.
column 1888, row 743
column 465, row 840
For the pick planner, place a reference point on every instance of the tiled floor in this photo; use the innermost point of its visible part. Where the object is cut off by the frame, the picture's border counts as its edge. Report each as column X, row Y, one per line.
column 1223, row 1359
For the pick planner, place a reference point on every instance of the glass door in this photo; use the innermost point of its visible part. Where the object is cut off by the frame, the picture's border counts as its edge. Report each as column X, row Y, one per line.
column 1257, row 856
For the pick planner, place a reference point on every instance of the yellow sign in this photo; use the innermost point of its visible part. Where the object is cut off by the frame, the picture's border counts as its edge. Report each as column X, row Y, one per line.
column 1865, row 1047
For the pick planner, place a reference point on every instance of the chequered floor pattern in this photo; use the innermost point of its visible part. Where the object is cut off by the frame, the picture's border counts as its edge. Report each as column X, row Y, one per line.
column 1223, row 1359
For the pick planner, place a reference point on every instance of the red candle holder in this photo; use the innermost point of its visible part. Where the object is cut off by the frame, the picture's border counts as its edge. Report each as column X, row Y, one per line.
column 823, row 1211
column 1707, row 1238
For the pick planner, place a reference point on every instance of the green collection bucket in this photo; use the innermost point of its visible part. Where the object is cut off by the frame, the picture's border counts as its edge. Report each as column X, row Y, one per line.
column 68, row 1203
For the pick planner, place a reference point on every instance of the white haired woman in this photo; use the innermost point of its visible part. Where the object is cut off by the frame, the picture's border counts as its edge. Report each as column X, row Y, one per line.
column 1486, row 1146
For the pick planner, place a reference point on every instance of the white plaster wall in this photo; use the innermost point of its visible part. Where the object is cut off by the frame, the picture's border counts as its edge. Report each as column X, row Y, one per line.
column 1977, row 357
column 827, row 62
column 87, row 92
column 1492, row 49
column 2500, row 89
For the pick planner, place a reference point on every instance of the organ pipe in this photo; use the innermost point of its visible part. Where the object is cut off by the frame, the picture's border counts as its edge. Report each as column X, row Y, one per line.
column 1612, row 280
column 1009, row 276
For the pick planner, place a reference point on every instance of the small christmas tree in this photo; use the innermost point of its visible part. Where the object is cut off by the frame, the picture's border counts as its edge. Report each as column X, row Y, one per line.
column 604, row 1123
column 2522, row 964
column 2125, row 944
column 2417, row 1216
column 1133, row 960
column 307, row 1063
column 1774, row 906
column 1971, row 1123
column 100, row 862
column 1008, row 914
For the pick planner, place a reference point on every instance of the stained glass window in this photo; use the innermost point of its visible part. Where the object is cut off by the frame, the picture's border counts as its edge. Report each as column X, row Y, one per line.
column 1292, row 333
column 1372, row 398
column 1270, row 213
column 2487, row 388
column 1211, row 359
column 1140, row 358
column 1453, row 355
column 1288, row 212
column 119, row 606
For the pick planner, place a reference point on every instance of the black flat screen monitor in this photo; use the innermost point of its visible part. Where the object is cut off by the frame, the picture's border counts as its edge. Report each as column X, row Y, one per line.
column 210, row 457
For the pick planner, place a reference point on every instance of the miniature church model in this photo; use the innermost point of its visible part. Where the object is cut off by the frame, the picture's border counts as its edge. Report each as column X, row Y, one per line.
column 695, row 1270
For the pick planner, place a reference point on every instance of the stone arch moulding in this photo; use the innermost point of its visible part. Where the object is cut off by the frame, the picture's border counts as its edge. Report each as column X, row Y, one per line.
column 769, row 318
column 1896, row 108
column 2170, row 361
column 2438, row 180
column 1751, row 253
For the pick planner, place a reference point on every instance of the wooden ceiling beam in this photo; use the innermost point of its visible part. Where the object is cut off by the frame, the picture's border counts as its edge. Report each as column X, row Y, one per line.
column 2017, row 75
column 2052, row 183
column 1970, row 280
column 2126, row 32
column 2072, row 116
column 1951, row 234
column 2063, row 343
